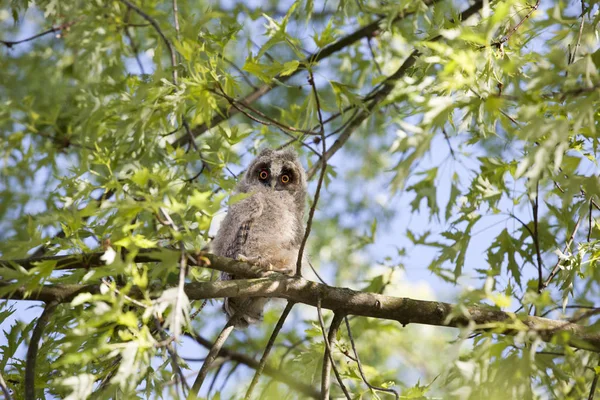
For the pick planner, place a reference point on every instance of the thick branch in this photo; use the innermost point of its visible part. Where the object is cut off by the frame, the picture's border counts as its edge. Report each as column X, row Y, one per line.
column 347, row 301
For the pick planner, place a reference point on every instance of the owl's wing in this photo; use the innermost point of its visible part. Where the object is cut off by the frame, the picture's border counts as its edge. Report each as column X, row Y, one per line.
column 247, row 212
column 251, row 210
column 240, row 237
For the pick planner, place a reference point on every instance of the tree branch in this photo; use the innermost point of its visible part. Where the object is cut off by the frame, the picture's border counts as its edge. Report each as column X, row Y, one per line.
column 300, row 290
column 268, row 348
column 32, row 350
column 10, row 43
column 212, row 355
column 4, row 388
column 328, row 362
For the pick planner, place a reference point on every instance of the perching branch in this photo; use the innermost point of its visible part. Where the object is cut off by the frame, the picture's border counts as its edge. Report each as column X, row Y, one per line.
column 300, row 290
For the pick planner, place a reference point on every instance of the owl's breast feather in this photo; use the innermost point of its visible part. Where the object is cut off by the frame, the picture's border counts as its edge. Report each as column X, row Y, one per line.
column 278, row 220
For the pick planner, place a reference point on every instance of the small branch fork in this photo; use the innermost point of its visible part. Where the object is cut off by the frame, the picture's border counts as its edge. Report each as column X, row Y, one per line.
column 359, row 364
column 328, row 362
column 500, row 43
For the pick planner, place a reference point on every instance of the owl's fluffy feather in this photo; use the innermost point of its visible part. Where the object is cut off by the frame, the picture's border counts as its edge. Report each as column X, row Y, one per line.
column 267, row 227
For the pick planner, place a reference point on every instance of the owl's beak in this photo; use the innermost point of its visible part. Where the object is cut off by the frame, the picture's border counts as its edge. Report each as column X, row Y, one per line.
column 273, row 183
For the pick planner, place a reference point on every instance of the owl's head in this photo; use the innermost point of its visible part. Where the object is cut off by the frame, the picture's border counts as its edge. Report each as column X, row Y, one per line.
column 278, row 170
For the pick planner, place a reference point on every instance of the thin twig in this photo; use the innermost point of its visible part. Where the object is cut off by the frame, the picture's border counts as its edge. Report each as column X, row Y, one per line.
column 4, row 388
column 168, row 344
column 558, row 263
column 574, row 53
column 156, row 27
column 242, row 74
column 188, row 131
column 11, row 43
column 373, row 56
column 212, row 355
column 214, row 380
column 590, row 219
column 573, row 306
column 276, row 373
column 448, row 142
column 313, row 207
column 360, row 369
column 176, row 18
column 229, row 375
column 131, row 42
column 267, row 121
column 328, row 362
column 32, row 350
column 512, row 31
column 176, row 307
column 594, row 383
column 536, row 240
column 268, row 348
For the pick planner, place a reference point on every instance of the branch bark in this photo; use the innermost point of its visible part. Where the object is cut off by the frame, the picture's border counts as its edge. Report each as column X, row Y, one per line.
column 300, row 290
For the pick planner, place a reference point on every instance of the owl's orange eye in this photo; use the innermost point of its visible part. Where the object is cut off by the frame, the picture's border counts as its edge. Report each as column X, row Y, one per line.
column 263, row 174
column 285, row 178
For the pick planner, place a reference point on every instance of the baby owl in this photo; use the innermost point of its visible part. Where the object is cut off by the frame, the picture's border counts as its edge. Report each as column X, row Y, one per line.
column 267, row 227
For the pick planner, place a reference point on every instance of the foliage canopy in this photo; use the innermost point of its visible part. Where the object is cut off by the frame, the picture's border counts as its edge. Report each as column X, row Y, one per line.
column 461, row 139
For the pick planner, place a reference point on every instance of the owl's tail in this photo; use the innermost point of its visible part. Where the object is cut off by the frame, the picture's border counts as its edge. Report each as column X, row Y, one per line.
column 249, row 310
